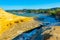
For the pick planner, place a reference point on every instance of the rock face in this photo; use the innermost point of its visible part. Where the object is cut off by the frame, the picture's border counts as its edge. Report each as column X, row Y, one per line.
column 52, row 34
column 13, row 25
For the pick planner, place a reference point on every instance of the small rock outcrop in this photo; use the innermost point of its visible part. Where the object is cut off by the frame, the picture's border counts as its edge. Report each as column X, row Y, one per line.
column 53, row 33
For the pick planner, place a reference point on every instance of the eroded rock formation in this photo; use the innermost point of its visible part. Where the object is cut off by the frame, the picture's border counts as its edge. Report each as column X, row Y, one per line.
column 52, row 34
column 13, row 25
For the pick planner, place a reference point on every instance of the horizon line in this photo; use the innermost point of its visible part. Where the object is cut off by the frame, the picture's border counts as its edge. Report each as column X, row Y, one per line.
column 30, row 8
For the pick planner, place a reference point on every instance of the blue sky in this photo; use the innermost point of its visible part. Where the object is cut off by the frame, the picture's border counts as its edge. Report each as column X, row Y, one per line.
column 29, row 4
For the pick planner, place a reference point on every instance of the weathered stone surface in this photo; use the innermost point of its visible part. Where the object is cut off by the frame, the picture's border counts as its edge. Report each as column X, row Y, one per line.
column 54, row 32
column 13, row 25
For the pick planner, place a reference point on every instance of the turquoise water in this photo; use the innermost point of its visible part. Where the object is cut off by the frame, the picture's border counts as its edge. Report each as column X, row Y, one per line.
column 45, row 19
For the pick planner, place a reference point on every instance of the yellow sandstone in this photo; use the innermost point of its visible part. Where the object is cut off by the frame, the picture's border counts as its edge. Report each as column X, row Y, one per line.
column 54, row 32
column 13, row 25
